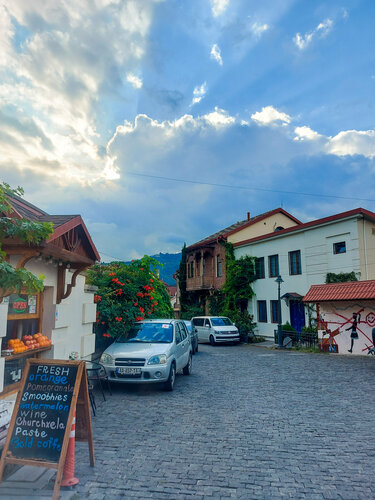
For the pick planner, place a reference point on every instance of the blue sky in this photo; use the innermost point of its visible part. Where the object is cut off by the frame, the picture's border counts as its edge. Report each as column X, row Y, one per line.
column 133, row 112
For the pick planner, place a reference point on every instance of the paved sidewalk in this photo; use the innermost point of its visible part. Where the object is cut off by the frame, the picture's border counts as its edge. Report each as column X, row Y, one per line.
column 248, row 423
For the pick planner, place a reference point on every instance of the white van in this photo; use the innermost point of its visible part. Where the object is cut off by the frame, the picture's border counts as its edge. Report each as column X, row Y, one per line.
column 215, row 329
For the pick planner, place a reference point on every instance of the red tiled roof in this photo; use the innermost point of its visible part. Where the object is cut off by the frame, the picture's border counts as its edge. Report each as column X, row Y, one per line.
column 307, row 225
column 332, row 292
column 241, row 225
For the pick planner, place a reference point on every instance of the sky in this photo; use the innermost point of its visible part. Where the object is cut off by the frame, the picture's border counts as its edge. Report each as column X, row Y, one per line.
column 162, row 122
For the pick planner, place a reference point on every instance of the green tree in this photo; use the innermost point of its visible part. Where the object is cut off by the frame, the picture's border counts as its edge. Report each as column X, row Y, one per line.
column 340, row 277
column 240, row 274
column 31, row 233
column 128, row 293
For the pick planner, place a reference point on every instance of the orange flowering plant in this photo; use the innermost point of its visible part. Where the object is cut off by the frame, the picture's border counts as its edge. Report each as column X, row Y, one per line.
column 128, row 293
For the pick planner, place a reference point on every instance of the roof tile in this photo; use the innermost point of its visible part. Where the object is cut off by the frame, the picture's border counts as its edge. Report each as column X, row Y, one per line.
column 332, row 292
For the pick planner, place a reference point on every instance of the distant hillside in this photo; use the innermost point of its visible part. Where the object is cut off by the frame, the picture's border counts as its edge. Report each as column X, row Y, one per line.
column 171, row 263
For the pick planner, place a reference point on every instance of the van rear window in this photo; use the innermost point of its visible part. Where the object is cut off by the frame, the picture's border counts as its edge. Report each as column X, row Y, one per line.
column 198, row 321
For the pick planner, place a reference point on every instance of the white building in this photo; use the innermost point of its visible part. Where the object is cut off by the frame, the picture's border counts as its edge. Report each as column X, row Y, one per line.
column 64, row 312
column 303, row 255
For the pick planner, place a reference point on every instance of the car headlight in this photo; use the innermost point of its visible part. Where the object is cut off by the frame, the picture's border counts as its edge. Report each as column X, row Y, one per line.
column 159, row 359
column 106, row 359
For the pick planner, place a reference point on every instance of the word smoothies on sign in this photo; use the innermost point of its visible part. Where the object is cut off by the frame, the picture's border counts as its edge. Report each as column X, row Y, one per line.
column 43, row 411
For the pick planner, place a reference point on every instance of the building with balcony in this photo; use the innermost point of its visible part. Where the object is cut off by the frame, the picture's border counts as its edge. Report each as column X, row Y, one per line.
column 205, row 260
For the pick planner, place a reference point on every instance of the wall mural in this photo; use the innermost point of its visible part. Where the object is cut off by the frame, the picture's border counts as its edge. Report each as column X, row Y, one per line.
column 347, row 327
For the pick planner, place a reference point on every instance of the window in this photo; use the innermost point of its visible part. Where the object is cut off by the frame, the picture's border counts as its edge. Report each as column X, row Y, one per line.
column 274, row 311
column 219, row 266
column 183, row 330
column 178, row 333
column 295, row 262
column 273, row 266
column 207, row 323
column 339, row 247
column 259, row 266
column 191, row 269
column 198, row 321
column 262, row 311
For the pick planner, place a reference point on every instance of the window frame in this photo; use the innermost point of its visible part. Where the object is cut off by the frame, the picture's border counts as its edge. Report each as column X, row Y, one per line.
column 297, row 262
column 262, row 267
column 274, row 317
column 339, row 243
column 264, row 318
column 277, row 270
column 219, row 266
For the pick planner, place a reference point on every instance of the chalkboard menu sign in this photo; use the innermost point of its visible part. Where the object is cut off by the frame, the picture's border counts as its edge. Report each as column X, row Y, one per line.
column 52, row 391
column 43, row 412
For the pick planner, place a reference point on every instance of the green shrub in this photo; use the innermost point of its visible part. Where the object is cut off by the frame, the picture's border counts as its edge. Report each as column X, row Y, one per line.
column 288, row 327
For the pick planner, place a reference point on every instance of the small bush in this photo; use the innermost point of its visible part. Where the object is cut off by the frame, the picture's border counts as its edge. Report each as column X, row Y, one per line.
column 288, row 327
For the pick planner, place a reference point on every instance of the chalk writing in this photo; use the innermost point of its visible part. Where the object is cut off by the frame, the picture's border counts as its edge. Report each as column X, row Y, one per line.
column 40, row 423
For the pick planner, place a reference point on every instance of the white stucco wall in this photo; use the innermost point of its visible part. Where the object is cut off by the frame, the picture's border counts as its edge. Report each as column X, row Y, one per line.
column 68, row 324
column 317, row 259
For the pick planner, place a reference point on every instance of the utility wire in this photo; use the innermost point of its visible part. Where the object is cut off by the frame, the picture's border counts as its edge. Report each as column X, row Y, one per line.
column 246, row 188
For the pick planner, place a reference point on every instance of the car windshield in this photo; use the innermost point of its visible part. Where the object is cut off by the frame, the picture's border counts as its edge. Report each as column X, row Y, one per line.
column 158, row 333
column 221, row 322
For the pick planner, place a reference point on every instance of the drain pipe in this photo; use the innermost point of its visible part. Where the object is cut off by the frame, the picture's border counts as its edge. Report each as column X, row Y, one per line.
column 365, row 246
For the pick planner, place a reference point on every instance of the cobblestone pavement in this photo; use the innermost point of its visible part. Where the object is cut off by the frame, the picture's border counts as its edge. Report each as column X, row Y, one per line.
column 248, row 423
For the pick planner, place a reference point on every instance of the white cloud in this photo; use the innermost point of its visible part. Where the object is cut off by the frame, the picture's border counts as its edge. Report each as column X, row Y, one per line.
column 219, row 118
column 259, row 29
column 219, row 7
column 58, row 74
column 134, row 80
column 323, row 28
column 199, row 92
column 269, row 115
column 307, row 133
column 353, row 142
column 216, row 54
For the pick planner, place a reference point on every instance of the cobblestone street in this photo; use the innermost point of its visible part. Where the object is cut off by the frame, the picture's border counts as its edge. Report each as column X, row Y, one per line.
column 248, row 423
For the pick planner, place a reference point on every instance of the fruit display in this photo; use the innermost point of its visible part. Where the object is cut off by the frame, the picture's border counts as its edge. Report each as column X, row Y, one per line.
column 36, row 340
column 17, row 345
column 28, row 343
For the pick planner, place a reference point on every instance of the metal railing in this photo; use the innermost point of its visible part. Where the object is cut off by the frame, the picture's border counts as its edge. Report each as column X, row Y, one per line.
column 307, row 339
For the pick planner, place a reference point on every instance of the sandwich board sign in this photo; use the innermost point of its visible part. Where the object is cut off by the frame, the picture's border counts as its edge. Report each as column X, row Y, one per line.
column 51, row 392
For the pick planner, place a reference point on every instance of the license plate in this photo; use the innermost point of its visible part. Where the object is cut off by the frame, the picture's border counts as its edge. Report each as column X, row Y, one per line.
column 128, row 371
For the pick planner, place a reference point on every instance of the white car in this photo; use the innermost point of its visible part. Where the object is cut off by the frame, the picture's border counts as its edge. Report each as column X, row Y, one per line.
column 214, row 329
column 152, row 351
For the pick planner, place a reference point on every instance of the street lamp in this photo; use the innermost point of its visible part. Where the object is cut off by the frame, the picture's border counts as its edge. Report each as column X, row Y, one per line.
column 279, row 280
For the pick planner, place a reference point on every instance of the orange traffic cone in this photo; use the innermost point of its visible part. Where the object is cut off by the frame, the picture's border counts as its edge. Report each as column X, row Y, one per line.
column 68, row 478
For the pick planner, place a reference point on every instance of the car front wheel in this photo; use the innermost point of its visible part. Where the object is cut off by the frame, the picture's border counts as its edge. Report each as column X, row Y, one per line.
column 187, row 369
column 171, row 379
column 212, row 340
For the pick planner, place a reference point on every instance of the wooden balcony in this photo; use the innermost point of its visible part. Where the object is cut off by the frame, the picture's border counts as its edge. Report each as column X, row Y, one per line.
column 200, row 282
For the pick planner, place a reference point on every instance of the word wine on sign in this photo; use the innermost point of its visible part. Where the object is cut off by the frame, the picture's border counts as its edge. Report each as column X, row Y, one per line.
column 52, row 391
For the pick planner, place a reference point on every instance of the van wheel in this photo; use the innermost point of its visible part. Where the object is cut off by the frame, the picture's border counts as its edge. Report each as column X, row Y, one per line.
column 171, row 379
column 212, row 340
column 187, row 369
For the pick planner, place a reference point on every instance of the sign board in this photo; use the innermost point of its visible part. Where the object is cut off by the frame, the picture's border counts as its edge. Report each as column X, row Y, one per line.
column 52, row 391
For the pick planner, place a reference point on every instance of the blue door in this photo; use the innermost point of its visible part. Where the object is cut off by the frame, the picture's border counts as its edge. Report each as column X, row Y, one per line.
column 297, row 314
